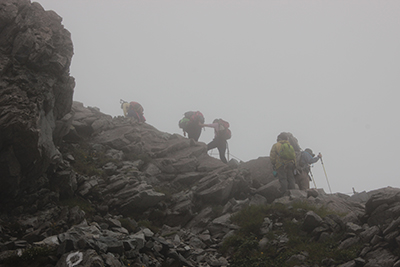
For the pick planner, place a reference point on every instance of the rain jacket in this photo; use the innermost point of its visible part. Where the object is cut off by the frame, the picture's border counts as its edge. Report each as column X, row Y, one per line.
column 125, row 107
column 276, row 160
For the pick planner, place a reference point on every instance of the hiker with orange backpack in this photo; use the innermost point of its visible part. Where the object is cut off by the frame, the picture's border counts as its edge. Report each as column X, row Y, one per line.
column 283, row 159
column 191, row 124
column 221, row 134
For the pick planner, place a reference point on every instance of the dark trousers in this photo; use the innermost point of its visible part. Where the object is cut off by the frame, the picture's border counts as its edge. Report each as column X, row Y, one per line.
column 193, row 131
column 220, row 144
column 286, row 177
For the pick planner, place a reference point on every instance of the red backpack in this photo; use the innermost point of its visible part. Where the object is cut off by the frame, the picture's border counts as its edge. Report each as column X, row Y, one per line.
column 195, row 116
column 224, row 130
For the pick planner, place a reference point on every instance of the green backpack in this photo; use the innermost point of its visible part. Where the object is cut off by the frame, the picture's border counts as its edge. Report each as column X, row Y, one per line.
column 183, row 123
column 287, row 152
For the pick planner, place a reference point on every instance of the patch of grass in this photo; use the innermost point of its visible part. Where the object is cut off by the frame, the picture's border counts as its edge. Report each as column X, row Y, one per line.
column 80, row 202
column 148, row 224
column 89, row 161
column 251, row 218
column 244, row 249
column 128, row 224
column 33, row 256
column 322, row 211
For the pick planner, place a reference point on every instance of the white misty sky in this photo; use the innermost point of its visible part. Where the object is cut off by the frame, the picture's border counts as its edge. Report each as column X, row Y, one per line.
column 326, row 71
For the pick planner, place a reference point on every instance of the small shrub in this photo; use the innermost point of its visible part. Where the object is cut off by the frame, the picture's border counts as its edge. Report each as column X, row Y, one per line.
column 148, row 224
column 33, row 256
column 88, row 161
column 250, row 218
column 128, row 224
column 80, row 202
column 243, row 245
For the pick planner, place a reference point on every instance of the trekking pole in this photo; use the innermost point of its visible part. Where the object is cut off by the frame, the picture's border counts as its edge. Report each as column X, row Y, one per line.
column 227, row 149
column 312, row 178
column 323, row 166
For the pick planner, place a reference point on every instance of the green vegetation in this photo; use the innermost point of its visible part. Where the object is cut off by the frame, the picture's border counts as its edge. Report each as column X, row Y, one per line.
column 89, row 161
column 148, row 224
column 80, row 202
column 128, row 224
column 33, row 256
column 244, row 249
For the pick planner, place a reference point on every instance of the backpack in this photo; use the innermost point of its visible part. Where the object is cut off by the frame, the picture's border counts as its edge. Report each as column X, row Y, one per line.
column 136, row 107
column 195, row 116
column 287, row 152
column 224, row 130
column 183, row 123
column 135, row 110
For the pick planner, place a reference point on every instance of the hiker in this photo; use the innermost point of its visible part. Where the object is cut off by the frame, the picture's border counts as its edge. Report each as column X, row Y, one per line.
column 283, row 159
column 191, row 124
column 302, row 177
column 221, row 134
column 133, row 110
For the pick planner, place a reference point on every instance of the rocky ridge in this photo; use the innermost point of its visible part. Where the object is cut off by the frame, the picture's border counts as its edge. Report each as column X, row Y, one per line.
column 81, row 188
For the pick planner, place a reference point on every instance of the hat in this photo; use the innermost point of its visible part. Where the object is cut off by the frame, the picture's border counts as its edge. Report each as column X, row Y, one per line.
column 309, row 151
column 282, row 136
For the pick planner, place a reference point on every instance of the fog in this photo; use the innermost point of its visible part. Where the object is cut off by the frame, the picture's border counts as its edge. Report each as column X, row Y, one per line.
column 326, row 71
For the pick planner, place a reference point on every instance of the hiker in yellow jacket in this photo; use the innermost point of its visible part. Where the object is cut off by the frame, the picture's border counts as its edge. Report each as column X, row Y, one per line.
column 283, row 159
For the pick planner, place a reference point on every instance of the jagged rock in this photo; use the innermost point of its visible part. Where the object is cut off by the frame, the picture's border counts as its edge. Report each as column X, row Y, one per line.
column 382, row 207
column 351, row 263
column 260, row 170
column 311, row 221
column 65, row 182
column 35, row 93
column 270, row 191
column 85, row 259
column 380, row 257
column 369, row 232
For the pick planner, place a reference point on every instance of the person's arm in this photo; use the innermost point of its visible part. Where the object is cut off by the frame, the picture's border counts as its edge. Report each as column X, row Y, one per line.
column 312, row 160
column 211, row 125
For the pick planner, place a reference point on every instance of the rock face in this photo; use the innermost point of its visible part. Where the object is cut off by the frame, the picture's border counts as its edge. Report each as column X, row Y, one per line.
column 35, row 92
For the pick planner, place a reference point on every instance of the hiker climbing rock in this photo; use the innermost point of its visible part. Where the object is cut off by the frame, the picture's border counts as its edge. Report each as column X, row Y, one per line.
column 221, row 134
column 302, row 177
column 283, row 159
column 191, row 124
column 133, row 110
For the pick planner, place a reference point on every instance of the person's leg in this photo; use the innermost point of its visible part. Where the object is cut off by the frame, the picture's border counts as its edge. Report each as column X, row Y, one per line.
column 222, row 150
column 197, row 133
column 212, row 144
column 290, row 176
column 194, row 132
column 281, row 173
column 302, row 180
